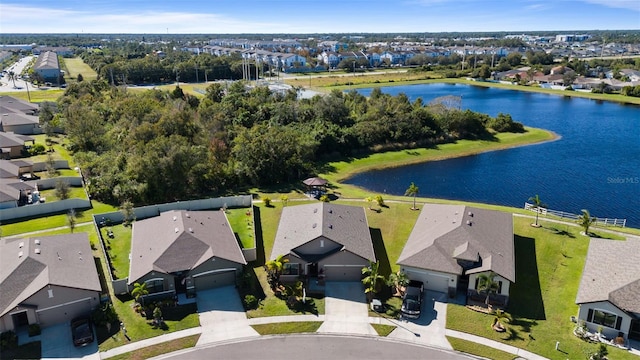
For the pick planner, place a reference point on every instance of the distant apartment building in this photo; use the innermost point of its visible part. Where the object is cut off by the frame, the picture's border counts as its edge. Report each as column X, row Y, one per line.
column 48, row 66
column 572, row 38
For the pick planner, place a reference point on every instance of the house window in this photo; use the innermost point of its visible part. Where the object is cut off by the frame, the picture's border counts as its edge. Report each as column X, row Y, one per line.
column 155, row 285
column 604, row 318
column 291, row 269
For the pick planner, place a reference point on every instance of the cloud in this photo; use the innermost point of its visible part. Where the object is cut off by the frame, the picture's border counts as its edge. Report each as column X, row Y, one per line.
column 619, row 4
column 28, row 19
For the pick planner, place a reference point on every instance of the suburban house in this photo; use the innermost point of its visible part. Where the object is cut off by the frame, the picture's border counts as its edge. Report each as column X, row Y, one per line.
column 19, row 123
column 11, row 145
column 46, row 280
column 609, row 292
column 9, row 104
column 323, row 240
column 450, row 245
column 47, row 66
column 183, row 251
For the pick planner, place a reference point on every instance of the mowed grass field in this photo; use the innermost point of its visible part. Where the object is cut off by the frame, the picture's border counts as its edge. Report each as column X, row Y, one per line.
column 76, row 66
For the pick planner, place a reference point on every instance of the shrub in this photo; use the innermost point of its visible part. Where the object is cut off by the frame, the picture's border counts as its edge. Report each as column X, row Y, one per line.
column 250, row 302
column 36, row 149
column 8, row 340
column 34, row 330
column 267, row 201
column 379, row 200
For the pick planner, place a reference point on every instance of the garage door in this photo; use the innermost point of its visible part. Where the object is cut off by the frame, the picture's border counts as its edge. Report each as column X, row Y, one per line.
column 343, row 272
column 63, row 313
column 214, row 280
column 431, row 281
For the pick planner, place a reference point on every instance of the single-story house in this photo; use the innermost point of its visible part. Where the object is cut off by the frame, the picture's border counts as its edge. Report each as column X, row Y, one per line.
column 46, row 280
column 609, row 292
column 11, row 145
column 450, row 245
column 19, row 123
column 12, row 104
column 325, row 240
column 184, row 251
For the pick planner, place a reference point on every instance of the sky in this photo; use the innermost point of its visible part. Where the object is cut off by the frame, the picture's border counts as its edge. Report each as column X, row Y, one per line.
column 319, row 16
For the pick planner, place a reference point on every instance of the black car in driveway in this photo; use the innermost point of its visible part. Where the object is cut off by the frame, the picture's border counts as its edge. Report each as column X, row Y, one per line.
column 82, row 331
column 412, row 300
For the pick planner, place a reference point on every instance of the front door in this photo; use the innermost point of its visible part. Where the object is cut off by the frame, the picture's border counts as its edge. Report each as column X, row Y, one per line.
column 313, row 270
column 634, row 330
column 180, row 284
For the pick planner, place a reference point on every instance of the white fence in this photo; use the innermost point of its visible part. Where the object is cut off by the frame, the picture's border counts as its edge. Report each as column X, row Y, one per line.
column 574, row 217
column 51, row 183
column 43, row 209
column 57, row 164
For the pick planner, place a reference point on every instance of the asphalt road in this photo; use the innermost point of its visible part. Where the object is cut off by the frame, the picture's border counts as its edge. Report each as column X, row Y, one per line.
column 320, row 347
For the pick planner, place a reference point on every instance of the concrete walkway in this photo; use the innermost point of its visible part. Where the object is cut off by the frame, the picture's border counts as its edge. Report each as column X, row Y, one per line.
column 494, row 344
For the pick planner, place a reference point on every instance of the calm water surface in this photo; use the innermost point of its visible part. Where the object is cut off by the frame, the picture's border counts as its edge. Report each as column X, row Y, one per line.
column 595, row 166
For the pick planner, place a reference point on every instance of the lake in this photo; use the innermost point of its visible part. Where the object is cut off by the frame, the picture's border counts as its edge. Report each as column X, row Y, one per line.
column 594, row 166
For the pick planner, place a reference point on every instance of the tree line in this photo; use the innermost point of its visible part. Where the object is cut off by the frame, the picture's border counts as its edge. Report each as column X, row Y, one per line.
column 156, row 146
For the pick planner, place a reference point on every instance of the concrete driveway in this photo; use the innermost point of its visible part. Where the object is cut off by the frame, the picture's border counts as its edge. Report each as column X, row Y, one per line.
column 56, row 343
column 346, row 309
column 430, row 328
column 222, row 316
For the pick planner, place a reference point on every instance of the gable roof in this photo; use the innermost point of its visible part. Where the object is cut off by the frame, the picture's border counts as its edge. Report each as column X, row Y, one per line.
column 612, row 273
column 29, row 264
column 346, row 225
column 444, row 234
column 9, row 139
column 181, row 240
column 15, row 118
column 12, row 104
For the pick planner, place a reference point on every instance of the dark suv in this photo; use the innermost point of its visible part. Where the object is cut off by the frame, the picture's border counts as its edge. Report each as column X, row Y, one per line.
column 81, row 331
column 412, row 300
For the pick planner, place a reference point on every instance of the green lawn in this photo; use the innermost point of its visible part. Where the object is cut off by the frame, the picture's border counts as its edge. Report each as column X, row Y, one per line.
column 138, row 327
column 36, row 94
column 288, row 327
column 159, row 349
column 272, row 305
column 60, row 151
column 77, row 66
column 479, row 349
column 118, row 248
column 19, row 226
column 383, row 329
column 241, row 221
column 548, row 270
column 75, row 192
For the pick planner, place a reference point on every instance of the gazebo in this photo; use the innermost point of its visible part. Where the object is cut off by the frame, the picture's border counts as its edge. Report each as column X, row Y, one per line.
column 315, row 185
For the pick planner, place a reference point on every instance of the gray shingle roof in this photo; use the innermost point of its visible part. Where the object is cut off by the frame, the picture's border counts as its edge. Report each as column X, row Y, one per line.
column 180, row 241
column 443, row 234
column 612, row 272
column 9, row 119
column 17, row 105
column 63, row 260
column 47, row 60
column 346, row 225
column 9, row 139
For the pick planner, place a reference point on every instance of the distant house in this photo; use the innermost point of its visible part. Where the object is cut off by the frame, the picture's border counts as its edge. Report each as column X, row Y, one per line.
column 184, row 252
column 11, row 145
column 46, row 280
column 291, row 60
column 60, row 50
column 323, row 239
column 9, row 104
column 47, row 66
column 609, row 292
column 450, row 245
column 19, row 123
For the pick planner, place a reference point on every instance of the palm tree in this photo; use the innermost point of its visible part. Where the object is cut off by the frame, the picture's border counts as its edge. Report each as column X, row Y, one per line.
column 537, row 203
column 274, row 269
column 412, row 191
column 71, row 219
column 139, row 290
column 398, row 280
column 372, row 279
column 369, row 200
column 487, row 284
column 12, row 77
column 585, row 220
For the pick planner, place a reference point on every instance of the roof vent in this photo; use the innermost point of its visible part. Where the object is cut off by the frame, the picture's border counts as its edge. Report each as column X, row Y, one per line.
column 315, row 210
column 187, row 215
column 175, row 218
column 21, row 245
column 314, row 225
column 37, row 241
column 330, row 226
column 176, row 230
column 37, row 250
column 470, row 214
column 20, row 254
column 469, row 222
column 190, row 230
column 330, row 211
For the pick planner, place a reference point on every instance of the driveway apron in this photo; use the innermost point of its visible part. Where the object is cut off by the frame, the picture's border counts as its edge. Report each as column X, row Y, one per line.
column 56, row 342
column 346, row 309
column 222, row 316
column 430, row 328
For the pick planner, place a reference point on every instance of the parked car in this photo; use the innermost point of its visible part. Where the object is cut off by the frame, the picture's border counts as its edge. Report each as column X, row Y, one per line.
column 412, row 300
column 82, row 331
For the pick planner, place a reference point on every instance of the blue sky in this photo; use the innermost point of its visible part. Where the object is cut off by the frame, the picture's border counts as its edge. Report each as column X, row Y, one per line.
column 323, row 16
